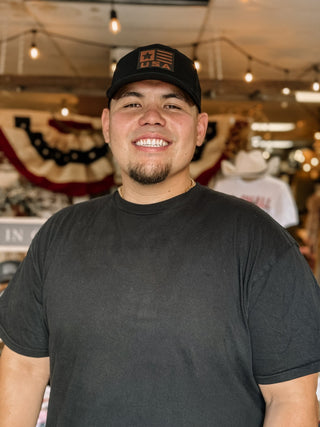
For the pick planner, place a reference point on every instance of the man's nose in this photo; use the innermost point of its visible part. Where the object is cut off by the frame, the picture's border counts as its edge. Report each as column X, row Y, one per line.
column 152, row 116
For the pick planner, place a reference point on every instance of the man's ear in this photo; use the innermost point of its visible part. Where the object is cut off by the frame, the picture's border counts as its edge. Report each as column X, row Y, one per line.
column 201, row 128
column 105, row 124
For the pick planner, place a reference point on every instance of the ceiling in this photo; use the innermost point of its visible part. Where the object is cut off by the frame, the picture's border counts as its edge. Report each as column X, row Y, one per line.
column 76, row 50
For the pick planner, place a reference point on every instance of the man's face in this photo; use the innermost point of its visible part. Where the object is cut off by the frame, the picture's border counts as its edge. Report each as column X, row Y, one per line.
column 153, row 129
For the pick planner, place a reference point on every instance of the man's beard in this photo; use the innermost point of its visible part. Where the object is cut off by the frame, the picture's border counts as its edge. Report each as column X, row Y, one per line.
column 142, row 175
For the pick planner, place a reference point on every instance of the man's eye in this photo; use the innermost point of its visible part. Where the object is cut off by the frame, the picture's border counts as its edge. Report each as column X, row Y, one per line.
column 132, row 105
column 172, row 107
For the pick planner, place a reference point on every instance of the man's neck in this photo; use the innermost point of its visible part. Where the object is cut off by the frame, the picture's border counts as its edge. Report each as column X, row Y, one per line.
column 153, row 193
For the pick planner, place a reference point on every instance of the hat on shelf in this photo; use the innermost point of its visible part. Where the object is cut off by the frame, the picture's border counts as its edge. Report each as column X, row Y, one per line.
column 247, row 164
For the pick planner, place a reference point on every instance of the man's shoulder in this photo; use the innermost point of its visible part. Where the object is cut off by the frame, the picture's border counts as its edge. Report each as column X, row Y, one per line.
column 218, row 199
column 238, row 215
column 83, row 208
column 77, row 215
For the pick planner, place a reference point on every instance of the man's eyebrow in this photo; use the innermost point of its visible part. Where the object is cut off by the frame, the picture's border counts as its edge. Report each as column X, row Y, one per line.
column 127, row 93
column 177, row 95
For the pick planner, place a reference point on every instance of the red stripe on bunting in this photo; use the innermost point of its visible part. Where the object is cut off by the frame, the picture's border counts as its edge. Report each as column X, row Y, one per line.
column 69, row 188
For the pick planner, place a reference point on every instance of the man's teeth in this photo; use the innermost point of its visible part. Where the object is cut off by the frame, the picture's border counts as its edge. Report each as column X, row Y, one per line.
column 152, row 142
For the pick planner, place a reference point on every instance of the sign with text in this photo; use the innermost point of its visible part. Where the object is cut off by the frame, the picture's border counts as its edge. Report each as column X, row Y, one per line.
column 16, row 233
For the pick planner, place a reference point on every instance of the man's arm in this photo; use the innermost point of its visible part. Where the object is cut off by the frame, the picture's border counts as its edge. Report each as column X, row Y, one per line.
column 22, row 383
column 291, row 403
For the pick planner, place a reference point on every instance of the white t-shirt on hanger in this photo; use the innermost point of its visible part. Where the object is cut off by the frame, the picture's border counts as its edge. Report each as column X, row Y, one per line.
column 269, row 193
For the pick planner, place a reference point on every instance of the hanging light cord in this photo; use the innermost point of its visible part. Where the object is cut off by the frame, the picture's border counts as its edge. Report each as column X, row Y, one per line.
column 301, row 71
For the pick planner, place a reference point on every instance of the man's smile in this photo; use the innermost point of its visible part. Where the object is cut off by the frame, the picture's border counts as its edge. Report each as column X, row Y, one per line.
column 151, row 142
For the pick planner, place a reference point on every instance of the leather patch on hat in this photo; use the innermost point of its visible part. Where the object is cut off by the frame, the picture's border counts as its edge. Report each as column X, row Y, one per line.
column 156, row 58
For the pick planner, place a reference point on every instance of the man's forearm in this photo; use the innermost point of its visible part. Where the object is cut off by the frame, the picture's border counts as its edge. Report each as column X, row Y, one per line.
column 22, row 386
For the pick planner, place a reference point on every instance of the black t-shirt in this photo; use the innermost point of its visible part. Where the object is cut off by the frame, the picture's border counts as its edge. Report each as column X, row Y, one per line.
column 168, row 314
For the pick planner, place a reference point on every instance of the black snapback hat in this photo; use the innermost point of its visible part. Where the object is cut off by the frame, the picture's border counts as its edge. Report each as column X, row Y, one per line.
column 157, row 62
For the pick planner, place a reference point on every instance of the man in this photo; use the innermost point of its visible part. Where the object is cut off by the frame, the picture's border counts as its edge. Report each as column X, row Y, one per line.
column 165, row 303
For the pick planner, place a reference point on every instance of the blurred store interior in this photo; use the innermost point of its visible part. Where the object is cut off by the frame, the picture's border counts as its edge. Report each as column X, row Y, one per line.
column 259, row 66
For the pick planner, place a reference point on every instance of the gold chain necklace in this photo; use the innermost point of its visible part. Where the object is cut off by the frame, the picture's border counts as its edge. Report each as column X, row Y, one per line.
column 191, row 185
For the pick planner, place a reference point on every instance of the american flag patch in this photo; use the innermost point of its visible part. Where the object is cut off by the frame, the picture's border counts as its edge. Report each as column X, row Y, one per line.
column 156, row 58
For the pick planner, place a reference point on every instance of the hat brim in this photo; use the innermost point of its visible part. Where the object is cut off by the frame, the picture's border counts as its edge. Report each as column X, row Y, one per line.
column 230, row 170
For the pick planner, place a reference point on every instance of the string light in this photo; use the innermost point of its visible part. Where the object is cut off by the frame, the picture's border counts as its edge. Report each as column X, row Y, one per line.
column 113, row 66
column 286, row 90
column 315, row 84
column 114, row 23
column 34, row 51
column 64, row 110
column 197, row 64
column 249, row 76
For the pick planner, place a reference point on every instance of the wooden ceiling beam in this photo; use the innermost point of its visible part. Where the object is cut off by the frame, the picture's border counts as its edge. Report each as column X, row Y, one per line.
column 96, row 86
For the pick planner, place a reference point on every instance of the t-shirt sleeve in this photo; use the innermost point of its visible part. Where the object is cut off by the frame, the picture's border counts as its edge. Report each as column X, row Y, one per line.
column 22, row 320
column 284, row 320
column 286, row 212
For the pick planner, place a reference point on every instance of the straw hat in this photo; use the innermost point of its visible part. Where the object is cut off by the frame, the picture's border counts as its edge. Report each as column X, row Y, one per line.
column 247, row 164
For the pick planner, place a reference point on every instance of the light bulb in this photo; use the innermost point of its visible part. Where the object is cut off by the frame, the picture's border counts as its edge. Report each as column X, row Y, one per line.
column 65, row 111
column 114, row 23
column 248, row 76
column 33, row 51
column 113, row 66
column 197, row 64
column 316, row 86
column 286, row 90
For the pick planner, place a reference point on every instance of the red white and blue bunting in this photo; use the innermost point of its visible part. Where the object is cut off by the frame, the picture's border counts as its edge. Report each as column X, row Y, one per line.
column 67, row 156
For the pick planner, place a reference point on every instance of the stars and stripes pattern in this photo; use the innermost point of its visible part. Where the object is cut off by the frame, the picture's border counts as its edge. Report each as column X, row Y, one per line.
column 61, row 156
